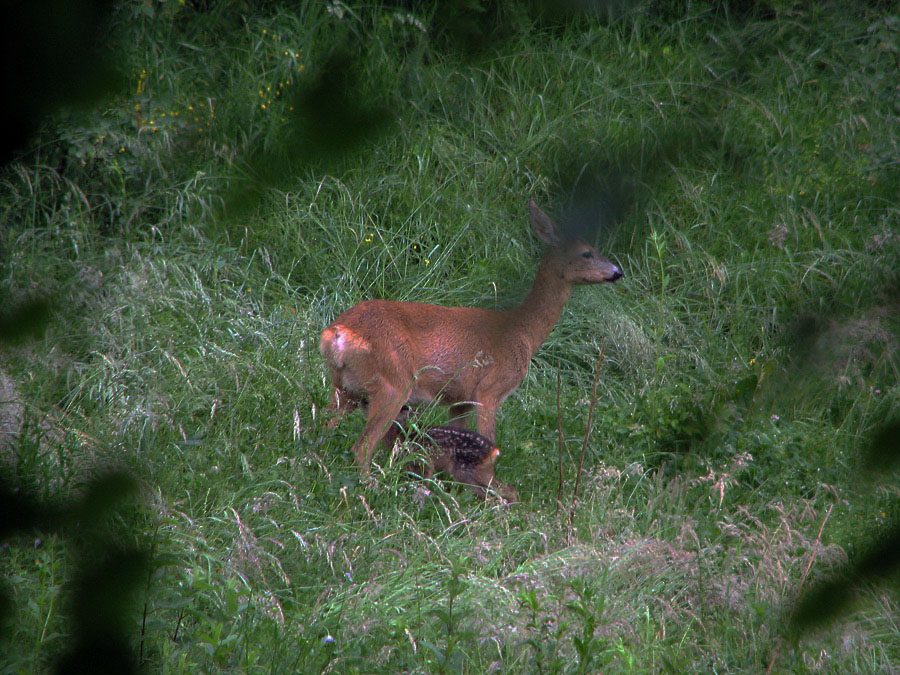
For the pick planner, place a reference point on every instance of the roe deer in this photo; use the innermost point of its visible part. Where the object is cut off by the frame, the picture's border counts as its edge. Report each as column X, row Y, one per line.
column 386, row 354
column 468, row 457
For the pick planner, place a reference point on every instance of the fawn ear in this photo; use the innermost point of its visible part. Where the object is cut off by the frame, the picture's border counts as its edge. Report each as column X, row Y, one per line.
column 542, row 225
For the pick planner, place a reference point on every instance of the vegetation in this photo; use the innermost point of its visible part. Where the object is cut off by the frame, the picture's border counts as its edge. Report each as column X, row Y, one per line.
column 178, row 245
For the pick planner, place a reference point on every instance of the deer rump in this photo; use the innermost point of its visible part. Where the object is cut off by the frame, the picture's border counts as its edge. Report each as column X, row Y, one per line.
column 395, row 338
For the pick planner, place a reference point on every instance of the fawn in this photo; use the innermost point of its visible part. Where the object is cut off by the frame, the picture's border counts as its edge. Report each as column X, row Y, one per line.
column 468, row 457
column 388, row 355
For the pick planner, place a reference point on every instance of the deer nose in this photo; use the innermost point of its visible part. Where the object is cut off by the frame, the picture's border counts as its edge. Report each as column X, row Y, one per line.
column 616, row 275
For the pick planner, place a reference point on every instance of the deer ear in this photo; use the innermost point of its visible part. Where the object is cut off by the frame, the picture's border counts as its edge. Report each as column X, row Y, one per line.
column 542, row 225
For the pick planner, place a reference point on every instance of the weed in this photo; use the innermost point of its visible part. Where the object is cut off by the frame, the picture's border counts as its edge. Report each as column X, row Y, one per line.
column 544, row 634
column 449, row 618
column 587, row 606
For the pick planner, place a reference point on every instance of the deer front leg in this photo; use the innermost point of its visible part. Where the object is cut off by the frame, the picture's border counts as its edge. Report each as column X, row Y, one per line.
column 460, row 414
column 486, row 420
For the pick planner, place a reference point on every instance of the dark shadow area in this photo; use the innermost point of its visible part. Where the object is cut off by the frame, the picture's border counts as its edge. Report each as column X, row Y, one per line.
column 883, row 453
column 602, row 184
column 472, row 29
column 852, row 334
column 332, row 117
column 101, row 595
column 54, row 55
column 878, row 561
column 23, row 319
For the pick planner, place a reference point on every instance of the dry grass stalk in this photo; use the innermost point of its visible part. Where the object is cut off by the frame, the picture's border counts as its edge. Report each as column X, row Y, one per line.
column 590, row 423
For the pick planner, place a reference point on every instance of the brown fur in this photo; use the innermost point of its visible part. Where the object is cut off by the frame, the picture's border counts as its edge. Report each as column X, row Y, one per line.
column 390, row 355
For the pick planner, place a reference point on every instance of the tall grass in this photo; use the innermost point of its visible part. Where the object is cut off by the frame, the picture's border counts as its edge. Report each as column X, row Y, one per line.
column 741, row 168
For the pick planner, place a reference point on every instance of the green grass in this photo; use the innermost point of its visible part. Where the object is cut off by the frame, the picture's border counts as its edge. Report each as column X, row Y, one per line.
column 193, row 244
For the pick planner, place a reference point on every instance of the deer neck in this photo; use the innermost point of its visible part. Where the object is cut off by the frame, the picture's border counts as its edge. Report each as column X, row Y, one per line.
column 540, row 310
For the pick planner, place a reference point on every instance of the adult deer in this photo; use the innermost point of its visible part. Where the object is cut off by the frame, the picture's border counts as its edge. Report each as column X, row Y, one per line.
column 386, row 354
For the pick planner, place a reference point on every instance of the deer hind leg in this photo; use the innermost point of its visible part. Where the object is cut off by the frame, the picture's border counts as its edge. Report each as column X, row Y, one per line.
column 385, row 405
column 342, row 402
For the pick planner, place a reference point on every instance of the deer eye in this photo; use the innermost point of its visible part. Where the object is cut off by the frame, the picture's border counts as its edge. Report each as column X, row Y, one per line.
column 587, row 254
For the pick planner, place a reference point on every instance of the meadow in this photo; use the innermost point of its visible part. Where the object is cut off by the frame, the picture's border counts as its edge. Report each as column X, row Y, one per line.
column 170, row 253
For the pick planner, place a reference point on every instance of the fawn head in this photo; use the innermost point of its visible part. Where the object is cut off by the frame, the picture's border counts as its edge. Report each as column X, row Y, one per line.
column 571, row 258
